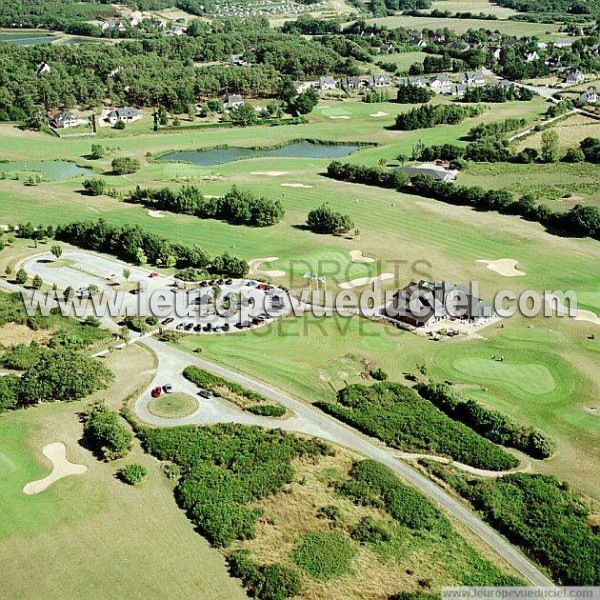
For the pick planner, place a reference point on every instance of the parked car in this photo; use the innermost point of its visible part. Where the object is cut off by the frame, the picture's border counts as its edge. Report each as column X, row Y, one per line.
column 198, row 327
column 189, row 326
column 228, row 281
column 167, row 388
column 156, row 392
column 153, row 275
column 226, row 327
column 167, row 321
column 204, row 394
column 135, row 291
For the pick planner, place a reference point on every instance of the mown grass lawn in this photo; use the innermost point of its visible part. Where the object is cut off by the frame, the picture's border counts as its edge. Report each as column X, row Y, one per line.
column 173, row 406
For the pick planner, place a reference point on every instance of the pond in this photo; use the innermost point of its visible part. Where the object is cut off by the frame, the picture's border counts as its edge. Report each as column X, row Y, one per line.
column 51, row 170
column 218, row 156
column 26, row 38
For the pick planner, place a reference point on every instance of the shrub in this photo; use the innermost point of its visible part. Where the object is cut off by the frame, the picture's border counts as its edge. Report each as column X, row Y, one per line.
column 268, row 410
column 412, row 94
column 378, row 374
column 329, row 512
column 326, row 220
column 94, row 187
column 132, row 474
column 369, row 530
column 9, row 392
column 21, row 277
column 125, row 165
column 106, row 433
column 324, row 555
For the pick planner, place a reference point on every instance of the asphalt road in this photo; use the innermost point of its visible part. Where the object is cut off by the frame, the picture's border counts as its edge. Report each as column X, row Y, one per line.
column 311, row 421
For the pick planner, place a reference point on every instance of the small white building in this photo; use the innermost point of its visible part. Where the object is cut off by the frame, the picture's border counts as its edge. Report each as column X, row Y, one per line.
column 126, row 114
column 441, row 84
column 233, row 101
column 563, row 43
column 327, row 83
column 473, row 78
column 303, row 86
column 590, row 96
column 43, row 68
column 531, row 56
column 64, row 120
column 573, row 77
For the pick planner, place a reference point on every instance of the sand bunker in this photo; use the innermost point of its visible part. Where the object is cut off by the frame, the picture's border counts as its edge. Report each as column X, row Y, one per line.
column 348, row 285
column 269, row 173
column 506, row 267
column 61, row 467
column 155, row 213
column 358, row 257
column 339, row 117
column 296, row 185
column 379, row 114
column 255, row 264
column 582, row 315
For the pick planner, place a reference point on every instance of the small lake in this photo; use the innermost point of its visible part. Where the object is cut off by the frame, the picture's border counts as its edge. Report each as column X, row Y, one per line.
column 218, row 156
column 52, row 170
column 25, row 38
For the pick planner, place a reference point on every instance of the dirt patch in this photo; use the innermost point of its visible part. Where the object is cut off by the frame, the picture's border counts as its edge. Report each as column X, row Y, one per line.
column 348, row 285
column 61, row 467
column 12, row 334
column 257, row 262
column 296, row 185
column 507, row 267
column 157, row 214
column 358, row 257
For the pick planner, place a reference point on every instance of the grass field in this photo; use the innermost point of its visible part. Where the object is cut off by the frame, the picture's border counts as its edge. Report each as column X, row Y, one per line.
column 570, row 132
column 403, row 60
column 473, row 6
column 173, row 406
column 91, row 536
column 517, row 28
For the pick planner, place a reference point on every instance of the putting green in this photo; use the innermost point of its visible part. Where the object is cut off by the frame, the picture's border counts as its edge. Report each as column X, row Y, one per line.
column 529, row 378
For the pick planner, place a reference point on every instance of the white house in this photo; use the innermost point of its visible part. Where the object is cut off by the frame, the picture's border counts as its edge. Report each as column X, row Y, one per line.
column 63, row 120
column 380, row 80
column 237, row 60
column 440, row 84
column 590, row 96
column 542, row 45
column 564, row 43
column 459, row 89
column 43, row 68
column 303, row 86
column 233, row 101
column 126, row 114
column 327, row 83
column 415, row 80
column 573, row 77
column 473, row 78
column 531, row 56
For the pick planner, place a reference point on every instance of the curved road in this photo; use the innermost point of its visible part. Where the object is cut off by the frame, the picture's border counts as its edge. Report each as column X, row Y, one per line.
column 309, row 420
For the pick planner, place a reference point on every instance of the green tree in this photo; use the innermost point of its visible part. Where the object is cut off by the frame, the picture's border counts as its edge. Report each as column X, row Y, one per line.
column 132, row 474
column 56, row 251
column 21, row 277
column 125, row 165
column 94, row 187
column 97, row 151
column 37, row 282
column 244, row 115
column 549, row 151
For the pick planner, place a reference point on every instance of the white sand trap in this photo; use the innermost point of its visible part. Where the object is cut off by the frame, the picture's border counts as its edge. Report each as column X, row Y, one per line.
column 61, row 467
column 296, row 185
column 582, row 315
column 155, row 213
column 379, row 114
column 270, row 173
column 358, row 257
column 339, row 117
column 255, row 264
column 348, row 285
column 506, row 267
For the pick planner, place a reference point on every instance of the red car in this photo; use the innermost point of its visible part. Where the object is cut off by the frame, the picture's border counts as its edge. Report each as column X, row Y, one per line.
column 156, row 392
column 153, row 275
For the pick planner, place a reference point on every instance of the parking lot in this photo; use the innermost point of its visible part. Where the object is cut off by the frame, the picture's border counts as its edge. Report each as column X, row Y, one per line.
column 210, row 306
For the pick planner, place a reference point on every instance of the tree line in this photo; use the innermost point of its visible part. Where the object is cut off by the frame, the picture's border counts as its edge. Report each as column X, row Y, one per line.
column 132, row 244
column 427, row 116
column 583, row 221
column 236, row 207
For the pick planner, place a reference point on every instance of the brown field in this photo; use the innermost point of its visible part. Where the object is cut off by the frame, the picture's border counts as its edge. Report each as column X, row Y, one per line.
column 570, row 132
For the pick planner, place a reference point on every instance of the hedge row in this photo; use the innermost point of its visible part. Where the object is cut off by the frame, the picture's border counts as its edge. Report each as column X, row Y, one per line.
column 398, row 416
column 491, row 424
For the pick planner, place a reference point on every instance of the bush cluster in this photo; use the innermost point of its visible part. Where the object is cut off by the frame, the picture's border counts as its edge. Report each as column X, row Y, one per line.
column 431, row 115
column 326, row 220
column 133, row 244
column 106, row 433
column 237, row 207
column 132, row 474
column 402, row 419
column 496, row 128
column 324, row 555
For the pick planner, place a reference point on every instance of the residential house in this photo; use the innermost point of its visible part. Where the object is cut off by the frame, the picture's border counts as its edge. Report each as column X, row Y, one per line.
column 573, row 77
column 233, row 101
column 352, row 83
column 497, row 53
column 415, row 80
column 459, row 90
column 473, row 78
column 387, row 49
column 126, row 114
column 438, row 173
column 563, row 43
column 590, row 96
column 177, row 30
column 542, row 45
column 460, row 46
column 327, row 83
column 441, row 84
column 366, row 35
column 63, row 120
column 380, row 80
column 426, row 302
column 110, row 24
column 417, row 43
